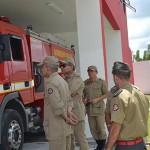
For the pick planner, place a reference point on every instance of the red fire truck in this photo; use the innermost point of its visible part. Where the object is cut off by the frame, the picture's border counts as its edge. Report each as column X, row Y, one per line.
column 21, row 81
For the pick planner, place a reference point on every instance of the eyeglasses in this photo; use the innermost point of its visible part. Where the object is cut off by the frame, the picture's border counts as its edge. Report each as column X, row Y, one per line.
column 63, row 65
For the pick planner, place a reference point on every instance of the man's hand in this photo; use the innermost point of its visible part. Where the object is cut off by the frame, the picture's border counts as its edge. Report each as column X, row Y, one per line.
column 74, row 94
column 71, row 122
column 94, row 101
column 73, row 118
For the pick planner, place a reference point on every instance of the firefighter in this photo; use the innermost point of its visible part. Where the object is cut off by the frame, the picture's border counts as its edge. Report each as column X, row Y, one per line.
column 129, row 112
column 95, row 92
column 76, row 86
column 56, row 121
column 112, row 92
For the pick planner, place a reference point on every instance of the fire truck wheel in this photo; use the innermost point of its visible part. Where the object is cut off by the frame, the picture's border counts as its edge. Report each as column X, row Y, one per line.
column 12, row 130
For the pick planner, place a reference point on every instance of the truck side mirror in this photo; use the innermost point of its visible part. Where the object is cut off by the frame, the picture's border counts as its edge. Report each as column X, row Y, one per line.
column 5, row 53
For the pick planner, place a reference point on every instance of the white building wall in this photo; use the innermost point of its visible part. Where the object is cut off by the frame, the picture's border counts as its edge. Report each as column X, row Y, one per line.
column 89, row 39
column 113, row 50
column 89, row 36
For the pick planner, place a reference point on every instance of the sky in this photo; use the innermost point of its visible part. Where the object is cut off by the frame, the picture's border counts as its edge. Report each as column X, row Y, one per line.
column 139, row 25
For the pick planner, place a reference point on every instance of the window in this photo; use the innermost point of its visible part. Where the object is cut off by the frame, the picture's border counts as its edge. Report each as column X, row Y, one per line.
column 16, row 48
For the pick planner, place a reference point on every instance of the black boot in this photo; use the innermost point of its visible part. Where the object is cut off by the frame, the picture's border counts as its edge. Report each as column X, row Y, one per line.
column 98, row 145
column 101, row 145
column 97, row 141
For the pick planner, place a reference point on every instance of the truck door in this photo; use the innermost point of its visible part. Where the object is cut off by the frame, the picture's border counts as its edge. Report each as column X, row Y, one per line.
column 20, row 68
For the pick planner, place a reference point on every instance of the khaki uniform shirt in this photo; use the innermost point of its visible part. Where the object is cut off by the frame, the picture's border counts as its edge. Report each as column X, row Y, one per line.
column 130, row 108
column 76, row 86
column 94, row 90
column 55, row 103
column 112, row 93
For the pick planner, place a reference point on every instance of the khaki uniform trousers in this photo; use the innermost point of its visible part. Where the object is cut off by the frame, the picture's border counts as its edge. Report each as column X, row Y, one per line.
column 60, row 144
column 79, row 135
column 97, row 127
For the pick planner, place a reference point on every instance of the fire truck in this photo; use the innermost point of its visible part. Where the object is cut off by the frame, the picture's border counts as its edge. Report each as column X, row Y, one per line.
column 21, row 81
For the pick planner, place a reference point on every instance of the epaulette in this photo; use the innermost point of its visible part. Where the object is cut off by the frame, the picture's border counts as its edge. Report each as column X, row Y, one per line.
column 117, row 92
column 101, row 79
column 136, row 87
column 114, row 89
column 87, row 81
column 77, row 75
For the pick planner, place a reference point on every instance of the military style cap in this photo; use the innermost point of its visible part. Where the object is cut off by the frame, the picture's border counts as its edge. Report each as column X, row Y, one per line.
column 51, row 61
column 68, row 60
column 120, row 66
column 93, row 68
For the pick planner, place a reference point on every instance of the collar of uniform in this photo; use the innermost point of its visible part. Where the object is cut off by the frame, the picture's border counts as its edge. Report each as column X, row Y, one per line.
column 128, row 87
column 51, row 76
column 94, row 80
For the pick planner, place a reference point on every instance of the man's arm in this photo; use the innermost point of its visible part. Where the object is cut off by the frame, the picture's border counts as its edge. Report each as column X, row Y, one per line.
column 105, row 94
column 113, row 135
column 79, row 89
column 94, row 101
column 108, row 120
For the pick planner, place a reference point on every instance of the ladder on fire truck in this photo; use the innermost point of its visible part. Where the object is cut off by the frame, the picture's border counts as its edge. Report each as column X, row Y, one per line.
column 49, row 38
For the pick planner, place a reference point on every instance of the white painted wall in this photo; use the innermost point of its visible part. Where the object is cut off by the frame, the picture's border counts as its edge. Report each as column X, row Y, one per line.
column 113, row 49
column 89, row 39
column 141, row 71
column 89, row 36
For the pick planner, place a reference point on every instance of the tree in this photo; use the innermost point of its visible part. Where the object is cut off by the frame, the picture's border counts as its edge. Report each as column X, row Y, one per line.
column 146, row 55
column 137, row 56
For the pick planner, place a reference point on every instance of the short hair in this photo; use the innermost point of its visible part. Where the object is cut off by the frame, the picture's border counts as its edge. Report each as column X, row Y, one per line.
column 121, row 70
column 122, row 74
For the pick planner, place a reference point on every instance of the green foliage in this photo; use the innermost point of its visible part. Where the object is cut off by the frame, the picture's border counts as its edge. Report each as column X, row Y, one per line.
column 146, row 55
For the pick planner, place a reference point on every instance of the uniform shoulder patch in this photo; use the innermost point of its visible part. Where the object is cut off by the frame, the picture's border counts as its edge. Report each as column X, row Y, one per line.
column 50, row 91
column 115, row 107
column 117, row 92
column 78, row 80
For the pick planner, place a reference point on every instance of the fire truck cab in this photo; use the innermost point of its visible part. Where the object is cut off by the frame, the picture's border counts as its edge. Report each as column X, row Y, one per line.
column 21, row 81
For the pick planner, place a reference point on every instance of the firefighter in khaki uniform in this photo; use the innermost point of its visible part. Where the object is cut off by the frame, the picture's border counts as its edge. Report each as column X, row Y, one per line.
column 58, row 131
column 95, row 92
column 113, row 91
column 76, row 86
column 129, row 109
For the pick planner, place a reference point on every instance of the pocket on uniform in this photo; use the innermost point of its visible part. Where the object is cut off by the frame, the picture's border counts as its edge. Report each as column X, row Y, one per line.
column 98, row 105
column 98, row 108
column 46, row 129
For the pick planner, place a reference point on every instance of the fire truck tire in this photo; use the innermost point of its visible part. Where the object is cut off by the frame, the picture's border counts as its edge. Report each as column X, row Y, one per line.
column 12, row 131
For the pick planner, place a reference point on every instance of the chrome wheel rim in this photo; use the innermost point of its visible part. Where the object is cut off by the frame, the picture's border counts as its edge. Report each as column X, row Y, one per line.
column 14, row 135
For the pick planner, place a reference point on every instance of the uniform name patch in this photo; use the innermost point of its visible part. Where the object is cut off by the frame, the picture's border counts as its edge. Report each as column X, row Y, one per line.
column 50, row 91
column 115, row 107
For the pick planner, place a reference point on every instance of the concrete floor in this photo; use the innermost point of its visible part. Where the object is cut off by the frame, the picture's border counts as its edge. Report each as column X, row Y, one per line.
column 38, row 142
column 40, row 146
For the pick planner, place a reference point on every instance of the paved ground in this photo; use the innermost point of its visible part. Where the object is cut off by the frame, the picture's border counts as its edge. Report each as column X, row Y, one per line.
column 38, row 142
